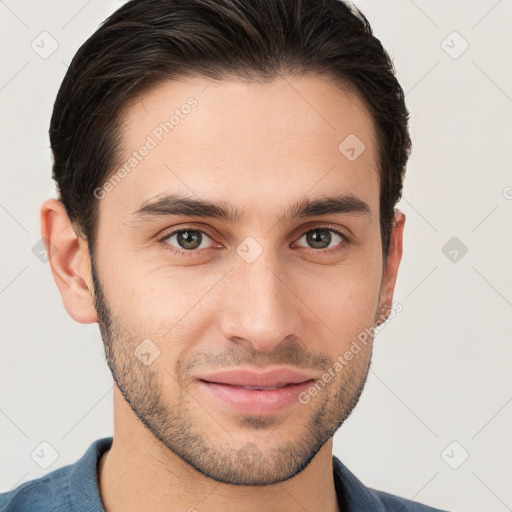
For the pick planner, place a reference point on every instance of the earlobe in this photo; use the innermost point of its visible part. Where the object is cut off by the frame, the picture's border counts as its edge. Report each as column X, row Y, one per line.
column 390, row 271
column 69, row 261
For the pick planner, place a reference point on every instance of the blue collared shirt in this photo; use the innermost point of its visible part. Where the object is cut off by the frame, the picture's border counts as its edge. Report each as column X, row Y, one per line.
column 74, row 488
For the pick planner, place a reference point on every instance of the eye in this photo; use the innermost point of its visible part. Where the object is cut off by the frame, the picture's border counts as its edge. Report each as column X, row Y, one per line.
column 320, row 238
column 186, row 240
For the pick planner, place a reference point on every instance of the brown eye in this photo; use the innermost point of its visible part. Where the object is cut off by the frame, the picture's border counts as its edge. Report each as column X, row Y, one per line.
column 321, row 238
column 186, row 239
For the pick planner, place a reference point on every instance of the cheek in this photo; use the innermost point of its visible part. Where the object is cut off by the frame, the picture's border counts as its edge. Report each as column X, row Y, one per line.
column 345, row 300
column 162, row 304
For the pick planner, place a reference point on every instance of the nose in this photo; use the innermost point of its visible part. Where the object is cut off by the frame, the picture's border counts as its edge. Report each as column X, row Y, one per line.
column 263, row 306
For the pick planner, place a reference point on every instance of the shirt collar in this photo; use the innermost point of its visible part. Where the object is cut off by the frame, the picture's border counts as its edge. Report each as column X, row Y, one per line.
column 353, row 495
column 83, row 479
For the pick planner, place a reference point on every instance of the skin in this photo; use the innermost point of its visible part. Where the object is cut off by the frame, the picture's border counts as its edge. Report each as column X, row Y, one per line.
column 259, row 147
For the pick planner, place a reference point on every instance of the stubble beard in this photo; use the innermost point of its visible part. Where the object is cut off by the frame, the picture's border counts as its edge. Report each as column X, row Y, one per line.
column 245, row 463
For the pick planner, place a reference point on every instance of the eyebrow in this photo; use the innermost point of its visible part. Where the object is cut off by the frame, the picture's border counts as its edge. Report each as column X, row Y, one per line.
column 178, row 204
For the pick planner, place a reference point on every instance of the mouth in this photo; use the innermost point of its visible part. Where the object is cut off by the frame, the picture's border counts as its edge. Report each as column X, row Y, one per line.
column 273, row 379
column 255, row 393
column 254, row 388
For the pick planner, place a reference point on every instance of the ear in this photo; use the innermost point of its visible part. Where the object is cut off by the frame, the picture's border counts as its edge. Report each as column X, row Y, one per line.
column 390, row 271
column 69, row 261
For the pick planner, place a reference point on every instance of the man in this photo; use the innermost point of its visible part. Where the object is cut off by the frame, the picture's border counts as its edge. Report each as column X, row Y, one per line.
column 228, row 172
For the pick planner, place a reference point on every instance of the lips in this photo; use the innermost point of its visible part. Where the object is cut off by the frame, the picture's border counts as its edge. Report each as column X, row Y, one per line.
column 260, row 394
column 251, row 380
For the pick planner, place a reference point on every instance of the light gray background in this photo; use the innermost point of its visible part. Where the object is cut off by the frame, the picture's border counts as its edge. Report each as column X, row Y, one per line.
column 441, row 368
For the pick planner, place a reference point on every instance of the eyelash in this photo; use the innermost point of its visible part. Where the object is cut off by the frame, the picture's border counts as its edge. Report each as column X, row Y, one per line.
column 184, row 253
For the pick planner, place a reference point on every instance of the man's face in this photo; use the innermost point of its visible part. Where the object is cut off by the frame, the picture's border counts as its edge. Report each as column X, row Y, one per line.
column 264, row 291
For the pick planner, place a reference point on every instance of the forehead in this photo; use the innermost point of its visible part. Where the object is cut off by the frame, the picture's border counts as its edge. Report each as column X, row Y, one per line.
column 254, row 145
